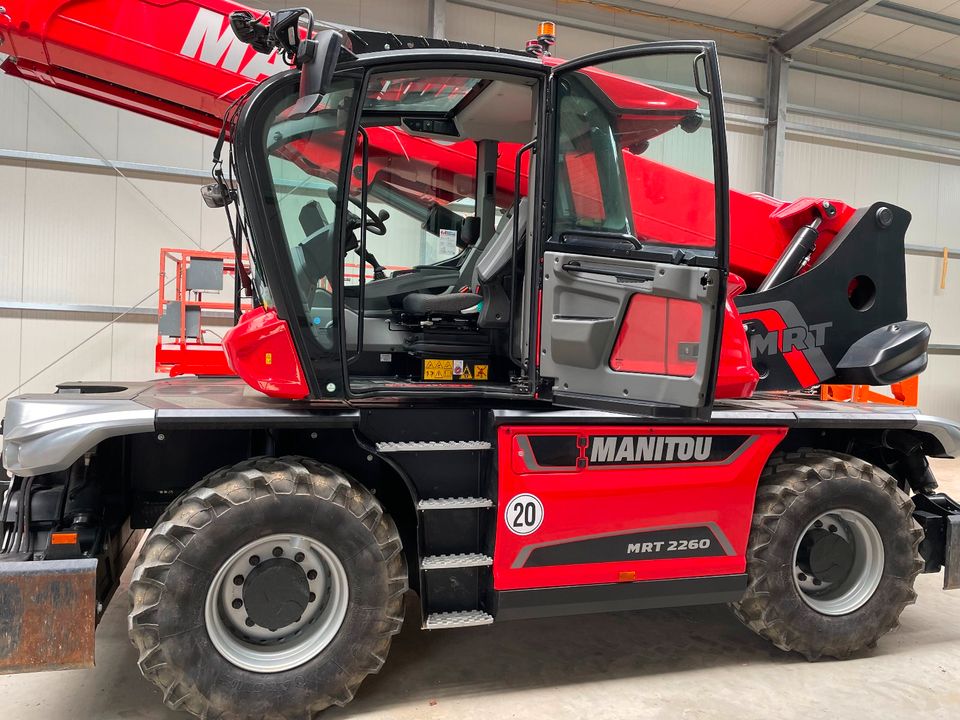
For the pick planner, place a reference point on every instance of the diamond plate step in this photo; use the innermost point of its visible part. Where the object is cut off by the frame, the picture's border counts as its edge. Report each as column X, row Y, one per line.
column 461, row 618
column 454, row 503
column 433, row 445
column 449, row 562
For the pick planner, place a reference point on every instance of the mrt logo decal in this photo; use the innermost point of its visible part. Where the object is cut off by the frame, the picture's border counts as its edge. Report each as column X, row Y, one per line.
column 778, row 328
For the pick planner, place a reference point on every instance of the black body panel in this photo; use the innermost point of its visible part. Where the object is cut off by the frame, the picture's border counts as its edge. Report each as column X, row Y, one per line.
column 857, row 286
column 576, row 600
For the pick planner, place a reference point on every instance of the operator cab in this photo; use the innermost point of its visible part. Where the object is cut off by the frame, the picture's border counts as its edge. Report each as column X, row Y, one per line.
column 442, row 231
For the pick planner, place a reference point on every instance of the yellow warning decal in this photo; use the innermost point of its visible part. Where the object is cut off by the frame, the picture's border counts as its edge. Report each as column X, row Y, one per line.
column 438, row 369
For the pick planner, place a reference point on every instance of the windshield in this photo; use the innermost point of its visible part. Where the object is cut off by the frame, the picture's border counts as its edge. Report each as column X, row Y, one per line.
column 305, row 191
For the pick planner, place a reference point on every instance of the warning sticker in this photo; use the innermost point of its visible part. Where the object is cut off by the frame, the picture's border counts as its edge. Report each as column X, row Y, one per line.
column 441, row 369
column 438, row 369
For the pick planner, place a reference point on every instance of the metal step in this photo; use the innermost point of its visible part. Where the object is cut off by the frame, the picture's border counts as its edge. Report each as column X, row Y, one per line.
column 459, row 619
column 433, row 445
column 450, row 562
column 455, row 503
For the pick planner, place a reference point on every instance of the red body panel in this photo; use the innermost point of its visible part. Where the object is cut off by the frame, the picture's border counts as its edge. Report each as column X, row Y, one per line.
column 595, row 507
column 163, row 58
column 260, row 350
column 736, row 376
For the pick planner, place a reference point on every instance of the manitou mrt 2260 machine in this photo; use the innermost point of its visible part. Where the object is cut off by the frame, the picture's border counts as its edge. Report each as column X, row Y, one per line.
column 581, row 391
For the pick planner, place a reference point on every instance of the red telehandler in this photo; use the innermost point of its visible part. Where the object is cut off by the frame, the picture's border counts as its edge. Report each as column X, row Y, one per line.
column 583, row 391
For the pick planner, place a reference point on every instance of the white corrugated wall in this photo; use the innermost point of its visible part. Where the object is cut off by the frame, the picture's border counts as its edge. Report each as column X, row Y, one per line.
column 89, row 236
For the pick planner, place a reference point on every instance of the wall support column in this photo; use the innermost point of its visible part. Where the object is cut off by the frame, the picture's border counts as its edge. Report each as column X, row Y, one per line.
column 774, row 134
column 438, row 18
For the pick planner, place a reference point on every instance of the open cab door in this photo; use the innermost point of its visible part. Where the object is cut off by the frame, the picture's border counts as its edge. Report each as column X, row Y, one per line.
column 635, row 232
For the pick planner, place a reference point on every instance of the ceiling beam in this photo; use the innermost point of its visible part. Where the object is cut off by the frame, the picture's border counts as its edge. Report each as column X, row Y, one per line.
column 676, row 14
column 823, row 22
column 888, row 59
column 912, row 16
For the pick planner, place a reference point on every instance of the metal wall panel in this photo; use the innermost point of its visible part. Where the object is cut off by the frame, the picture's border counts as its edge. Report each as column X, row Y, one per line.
column 744, row 158
column 13, row 116
column 69, row 235
column 470, row 23
column 151, row 214
column 401, row 16
column 145, row 140
column 70, row 125
column 45, row 337
column 13, row 182
column 918, row 179
column 132, row 349
column 10, row 326
column 938, row 387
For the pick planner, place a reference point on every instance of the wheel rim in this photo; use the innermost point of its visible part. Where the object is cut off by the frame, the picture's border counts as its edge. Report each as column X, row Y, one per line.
column 276, row 603
column 838, row 562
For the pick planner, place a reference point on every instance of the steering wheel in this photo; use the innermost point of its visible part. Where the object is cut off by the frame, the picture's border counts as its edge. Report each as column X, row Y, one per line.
column 375, row 221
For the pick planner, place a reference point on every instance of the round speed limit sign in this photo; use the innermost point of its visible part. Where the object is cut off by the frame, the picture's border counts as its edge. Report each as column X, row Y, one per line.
column 524, row 514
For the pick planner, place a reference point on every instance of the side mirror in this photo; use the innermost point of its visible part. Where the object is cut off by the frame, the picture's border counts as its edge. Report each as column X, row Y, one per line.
column 317, row 60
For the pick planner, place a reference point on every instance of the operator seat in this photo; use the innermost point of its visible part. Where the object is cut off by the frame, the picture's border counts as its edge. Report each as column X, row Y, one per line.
column 488, row 266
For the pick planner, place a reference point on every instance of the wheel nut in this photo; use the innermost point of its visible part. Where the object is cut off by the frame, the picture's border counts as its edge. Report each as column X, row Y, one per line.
column 801, row 577
column 277, row 551
column 238, row 580
column 237, row 604
column 312, row 575
column 254, row 559
column 313, row 596
column 299, row 557
column 818, row 524
column 817, row 582
column 249, row 622
column 832, row 528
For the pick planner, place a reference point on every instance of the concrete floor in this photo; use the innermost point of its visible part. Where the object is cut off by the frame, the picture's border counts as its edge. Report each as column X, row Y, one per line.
column 684, row 663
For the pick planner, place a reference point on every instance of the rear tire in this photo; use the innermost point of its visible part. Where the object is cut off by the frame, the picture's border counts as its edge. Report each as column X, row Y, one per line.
column 327, row 592
column 867, row 576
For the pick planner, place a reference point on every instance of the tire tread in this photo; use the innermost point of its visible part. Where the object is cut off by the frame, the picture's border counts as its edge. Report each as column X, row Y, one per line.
column 216, row 495
column 786, row 477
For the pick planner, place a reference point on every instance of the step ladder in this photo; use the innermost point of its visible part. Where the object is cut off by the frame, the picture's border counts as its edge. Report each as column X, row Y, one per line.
column 456, row 522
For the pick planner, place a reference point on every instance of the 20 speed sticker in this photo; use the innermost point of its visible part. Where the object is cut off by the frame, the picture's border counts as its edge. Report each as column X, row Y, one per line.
column 524, row 514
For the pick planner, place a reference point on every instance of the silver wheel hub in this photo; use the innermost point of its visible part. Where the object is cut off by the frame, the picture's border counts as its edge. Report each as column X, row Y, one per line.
column 276, row 603
column 838, row 562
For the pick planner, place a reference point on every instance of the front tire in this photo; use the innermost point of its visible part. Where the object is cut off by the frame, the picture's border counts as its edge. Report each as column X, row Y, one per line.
column 832, row 557
column 269, row 590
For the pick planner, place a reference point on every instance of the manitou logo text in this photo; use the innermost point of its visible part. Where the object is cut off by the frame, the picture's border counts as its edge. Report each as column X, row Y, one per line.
column 649, row 449
column 803, row 337
column 211, row 40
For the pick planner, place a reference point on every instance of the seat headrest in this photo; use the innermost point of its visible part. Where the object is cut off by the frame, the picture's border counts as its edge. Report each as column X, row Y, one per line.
column 469, row 231
column 496, row 256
